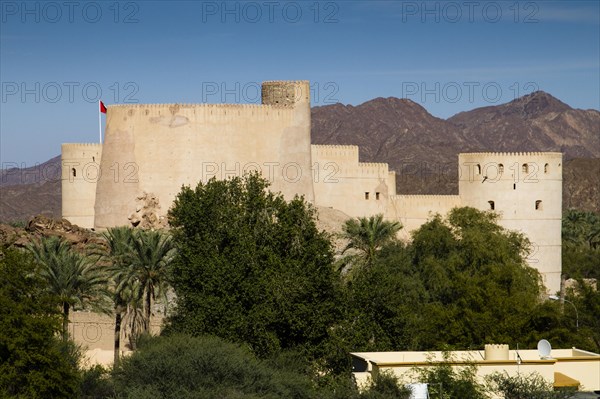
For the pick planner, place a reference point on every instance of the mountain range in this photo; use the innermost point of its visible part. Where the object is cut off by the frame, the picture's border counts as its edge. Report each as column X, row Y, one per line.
column 422, row 149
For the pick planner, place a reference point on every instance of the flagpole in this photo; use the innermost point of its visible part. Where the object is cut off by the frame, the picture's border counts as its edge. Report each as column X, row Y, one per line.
column 99, row 123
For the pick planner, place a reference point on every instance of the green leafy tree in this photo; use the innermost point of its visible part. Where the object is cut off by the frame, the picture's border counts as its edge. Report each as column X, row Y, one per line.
column 581, row 244
column 382, row 308
column 462, row 282
column 181, row 366
column 479, row 286
column 368, row 235
column 252, row 267
column 75, row 279
column 33, row 362
column 386, row 386
column 586, row 299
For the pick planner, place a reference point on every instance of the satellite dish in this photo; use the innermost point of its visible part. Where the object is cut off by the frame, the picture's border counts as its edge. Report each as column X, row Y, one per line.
column 544, row 348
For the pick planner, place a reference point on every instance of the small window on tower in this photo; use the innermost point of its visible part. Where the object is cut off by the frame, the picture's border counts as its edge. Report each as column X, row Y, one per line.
column 377, row 196
column 538, row 205
column 367, row 195
column 546, row 168
column 492, row 205
column 478, row 169
column 525, row 168
column 500, row 168
column 73, row 172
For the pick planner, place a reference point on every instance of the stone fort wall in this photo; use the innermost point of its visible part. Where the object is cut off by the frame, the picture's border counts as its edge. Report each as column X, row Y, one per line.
column 342, row 182
column 157, row 148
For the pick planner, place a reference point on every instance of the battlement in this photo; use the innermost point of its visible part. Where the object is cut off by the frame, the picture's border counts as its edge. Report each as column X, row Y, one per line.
column 185, row 112
column 197, row 105
column 346, row 151
column 81, row 145
column 324, row 147
column 373, row 165
column 508, row 154
column 424, row 196
column 290, row 82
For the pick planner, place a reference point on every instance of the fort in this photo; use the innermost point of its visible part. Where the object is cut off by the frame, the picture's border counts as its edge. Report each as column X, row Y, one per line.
column 154, row 149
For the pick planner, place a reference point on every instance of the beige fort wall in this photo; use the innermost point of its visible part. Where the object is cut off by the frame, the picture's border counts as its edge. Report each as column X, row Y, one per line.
column 342, row 182
column 414, row 210
column 80, row 172
column 158, row 148
column 525, row 189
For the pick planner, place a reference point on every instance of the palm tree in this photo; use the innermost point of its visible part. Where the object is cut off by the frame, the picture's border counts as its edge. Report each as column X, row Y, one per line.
column 581, row 228
column 76, row 280
column 139, row 261
column 118, row 254
column 153, row 253
column 368, row 235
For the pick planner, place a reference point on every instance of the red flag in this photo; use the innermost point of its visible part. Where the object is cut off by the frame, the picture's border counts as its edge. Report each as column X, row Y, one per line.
column 102, row 107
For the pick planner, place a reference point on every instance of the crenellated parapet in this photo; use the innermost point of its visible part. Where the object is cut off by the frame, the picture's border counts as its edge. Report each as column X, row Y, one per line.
column 510, row 154
column 373, row 169
column 178, row 114
column 192, row 105
column 343, row 154
column 326, row 148
column 81, row 145
column 425, row 197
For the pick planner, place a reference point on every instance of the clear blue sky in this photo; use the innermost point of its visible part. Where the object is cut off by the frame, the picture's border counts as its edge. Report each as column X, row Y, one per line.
column 449, row 56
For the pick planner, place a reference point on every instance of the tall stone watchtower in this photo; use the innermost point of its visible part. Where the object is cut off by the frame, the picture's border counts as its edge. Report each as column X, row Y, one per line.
column 80, row 173
column 526, row 190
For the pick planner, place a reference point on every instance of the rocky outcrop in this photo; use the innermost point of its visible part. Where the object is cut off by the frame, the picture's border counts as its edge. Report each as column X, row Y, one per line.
column 43, row 226
column 147, row 213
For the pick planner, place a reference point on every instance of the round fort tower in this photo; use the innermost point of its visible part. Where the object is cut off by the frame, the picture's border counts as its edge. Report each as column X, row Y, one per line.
column 80, row 173
column 286, row 93
column 526, row 190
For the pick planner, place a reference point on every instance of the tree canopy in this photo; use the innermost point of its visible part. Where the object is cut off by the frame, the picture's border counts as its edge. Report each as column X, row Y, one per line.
column 251, row 267
column 33, row 362
column 462, row 282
